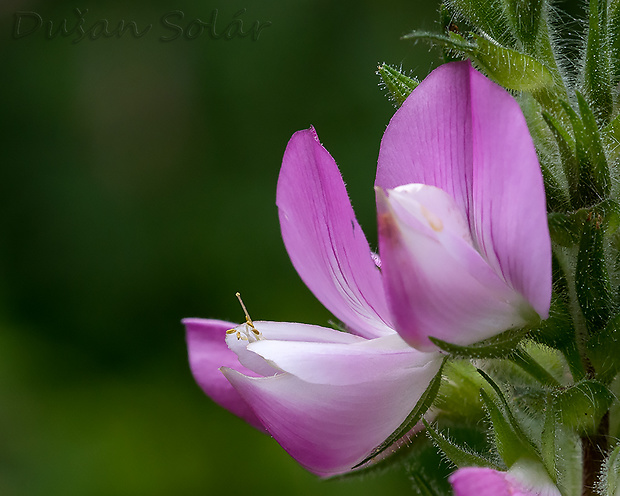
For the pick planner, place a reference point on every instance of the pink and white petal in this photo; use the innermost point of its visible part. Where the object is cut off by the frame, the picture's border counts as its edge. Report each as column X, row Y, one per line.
column 438, row 285
column 324, row 240
column 208, row 352
column 508, row 211
column 466, row 135
column 340, row 364
column 328, row 429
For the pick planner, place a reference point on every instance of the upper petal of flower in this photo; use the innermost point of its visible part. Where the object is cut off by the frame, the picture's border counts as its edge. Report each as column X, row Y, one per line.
column 462, row 133
column 208, row 352
column 324, row 240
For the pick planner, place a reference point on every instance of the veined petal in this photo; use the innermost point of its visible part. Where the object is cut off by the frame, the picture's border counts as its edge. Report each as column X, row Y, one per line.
column 462, row 133
column 437, row 283
column 379, row 359
column 208, row 352
column 324, row 240
column 328, row 428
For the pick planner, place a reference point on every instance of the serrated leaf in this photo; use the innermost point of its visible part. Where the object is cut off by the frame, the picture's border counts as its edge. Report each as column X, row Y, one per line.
column 398, row 84
column 582, row 406
column 421, row 407
column 459, row 455
column 497, row 346
column 603, row 350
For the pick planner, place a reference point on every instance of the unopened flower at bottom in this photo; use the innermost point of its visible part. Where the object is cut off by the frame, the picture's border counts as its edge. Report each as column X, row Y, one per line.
column 525, row 478
column 328, row 397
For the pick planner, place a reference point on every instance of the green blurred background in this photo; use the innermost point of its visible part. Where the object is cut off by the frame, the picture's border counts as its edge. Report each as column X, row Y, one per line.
column 138, row 187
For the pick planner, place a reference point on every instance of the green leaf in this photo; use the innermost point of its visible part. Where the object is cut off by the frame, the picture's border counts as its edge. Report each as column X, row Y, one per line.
column 613, row 37
column 611, row 133
column 398, row 84
column 486, row 16
column 565, row 229
column 533, row 368
column 612, row 473
column 568, row 156
column 511, row 69
column 597, row 77
column 459, row 455
column 603, row 350
column 593, row 147
column 592, row 284
column 497, row 346
column 528, row 449
column 547, row 444
column 582, row 406
column 524, row 17
column 509, row 445
column 421, row 407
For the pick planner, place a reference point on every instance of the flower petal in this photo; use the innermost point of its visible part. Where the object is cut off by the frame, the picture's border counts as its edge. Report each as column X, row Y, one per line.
column 478, row 481
column 323, row 239
column 525, row 478
column 436, row 282
column 328, row 428
column 462, row 133
column 289, row 332
column 346, row 364
column 207, row 353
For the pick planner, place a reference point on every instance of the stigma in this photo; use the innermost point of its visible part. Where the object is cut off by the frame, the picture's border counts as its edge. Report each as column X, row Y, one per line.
column 248, row 331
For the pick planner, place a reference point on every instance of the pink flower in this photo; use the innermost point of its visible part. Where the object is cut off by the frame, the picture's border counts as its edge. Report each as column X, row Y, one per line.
column 527, row 480
column 465, row 254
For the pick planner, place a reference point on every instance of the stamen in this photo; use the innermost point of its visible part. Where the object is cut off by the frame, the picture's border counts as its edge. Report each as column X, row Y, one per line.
column 247, row 315
column 250, row 333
